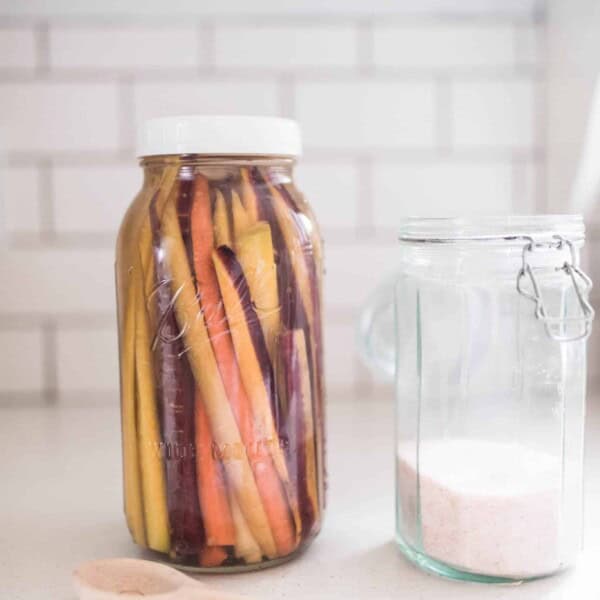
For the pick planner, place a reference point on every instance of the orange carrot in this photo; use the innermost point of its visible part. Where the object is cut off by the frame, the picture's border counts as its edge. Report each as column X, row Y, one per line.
column 212, row 490
column 267, row 480
column 212, row 556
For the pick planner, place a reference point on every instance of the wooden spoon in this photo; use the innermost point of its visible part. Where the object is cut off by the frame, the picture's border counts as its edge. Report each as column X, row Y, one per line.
column 132, row 579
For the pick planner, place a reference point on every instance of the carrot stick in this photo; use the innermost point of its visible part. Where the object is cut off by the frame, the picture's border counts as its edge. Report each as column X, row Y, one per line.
column 246, row 547
column 257, row 375
column 208, row 378
column 219, row 330
column 176, row 390
column 254, row 249
column 241, row 218
column 249, row 198
column 212, row 556
column 314, row 260
column 300, row 272
column 149, row 440
column 134, row 509
column 299, row 426
column 222, row 227
column 212, row 490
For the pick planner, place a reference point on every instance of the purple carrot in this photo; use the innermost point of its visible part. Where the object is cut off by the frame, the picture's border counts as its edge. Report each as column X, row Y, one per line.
column 238, row 279
column 176, row 392
column 295, row 429
column 315, row 362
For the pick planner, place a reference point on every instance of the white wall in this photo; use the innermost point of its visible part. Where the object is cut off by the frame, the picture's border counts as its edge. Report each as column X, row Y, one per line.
column 406, row 108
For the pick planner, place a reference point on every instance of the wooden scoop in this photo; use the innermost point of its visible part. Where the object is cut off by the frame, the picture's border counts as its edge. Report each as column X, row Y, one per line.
column 132, row 579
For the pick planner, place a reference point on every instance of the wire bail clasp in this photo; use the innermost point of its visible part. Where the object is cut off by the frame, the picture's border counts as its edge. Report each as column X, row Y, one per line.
column 582, row 284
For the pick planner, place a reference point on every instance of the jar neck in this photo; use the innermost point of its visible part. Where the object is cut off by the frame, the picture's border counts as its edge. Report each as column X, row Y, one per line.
column 281, row 168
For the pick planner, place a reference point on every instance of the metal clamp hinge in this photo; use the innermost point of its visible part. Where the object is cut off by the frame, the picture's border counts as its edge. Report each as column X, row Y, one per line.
column 582, row 284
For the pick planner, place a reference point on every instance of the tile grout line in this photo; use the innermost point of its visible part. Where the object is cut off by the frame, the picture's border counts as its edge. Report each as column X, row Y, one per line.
column 541, row 137
column 365, row 47
column 287, row 95
column 443, row 115
column 42, row 48
column 206, row 36
column 46, row 201
column 398, row 19
column 517, row 173
column 365, row 227
column 49, row 362
column 310, row 74
column 126, row 115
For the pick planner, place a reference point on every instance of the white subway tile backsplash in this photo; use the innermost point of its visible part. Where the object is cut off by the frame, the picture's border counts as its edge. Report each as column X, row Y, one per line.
column 286, row 47
column 87, row 360
column 21, row 361
column 51, row 117
column 20, row 199
column 57, row 281
column 355, row 269
column 332, row 189
column 120, row 47
column 205, row 96
column 440, row 189
column 17, row 48
column 444, row 45
column 530, row 44
column 341, row 357
column 93, row 199
column 395, row 114
column 494, row 114
column 364, row 113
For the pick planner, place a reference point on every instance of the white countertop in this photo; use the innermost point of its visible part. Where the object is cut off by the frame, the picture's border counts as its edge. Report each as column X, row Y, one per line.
column 60, row 504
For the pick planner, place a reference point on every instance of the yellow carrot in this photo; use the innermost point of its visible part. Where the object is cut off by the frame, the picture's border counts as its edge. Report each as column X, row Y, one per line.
column 222, row 229
column 245, row 544
column 241, row 218
column 249, row 198
column 254, row 250
column 149, row 441
column 134, row 509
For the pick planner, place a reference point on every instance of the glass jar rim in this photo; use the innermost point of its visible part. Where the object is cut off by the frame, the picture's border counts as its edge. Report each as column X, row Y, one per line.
column 491, row 228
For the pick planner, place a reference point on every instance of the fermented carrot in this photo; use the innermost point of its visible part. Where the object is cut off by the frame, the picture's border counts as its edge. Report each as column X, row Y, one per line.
column 212, row 556
column 249, row 197
column 267, row 481
column 212, row 490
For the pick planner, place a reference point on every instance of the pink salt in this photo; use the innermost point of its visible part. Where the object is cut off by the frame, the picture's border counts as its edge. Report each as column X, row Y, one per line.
column 485, row 507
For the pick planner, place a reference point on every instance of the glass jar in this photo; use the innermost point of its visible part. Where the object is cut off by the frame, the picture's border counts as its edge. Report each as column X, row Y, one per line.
column 490, row 320
column 219, row 305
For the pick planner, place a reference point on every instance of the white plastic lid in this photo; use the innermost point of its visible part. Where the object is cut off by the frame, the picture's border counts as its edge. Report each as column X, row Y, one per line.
column 220, row 135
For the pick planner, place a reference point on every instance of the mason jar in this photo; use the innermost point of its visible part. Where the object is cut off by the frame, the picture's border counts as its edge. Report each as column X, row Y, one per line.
column 490, row 319
column 219, row 277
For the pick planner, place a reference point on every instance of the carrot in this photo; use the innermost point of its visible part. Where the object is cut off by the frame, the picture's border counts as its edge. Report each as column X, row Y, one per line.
column 246, row 547
column 175, row 385
column 132, row 484
column 241, row 217
column 257, row 376
column 270, row 488
column 212, row 556
column 314, row 260
column 222, row 227
column 212, row 490
column 149, row 441
column 299, row 280
column 249, row 197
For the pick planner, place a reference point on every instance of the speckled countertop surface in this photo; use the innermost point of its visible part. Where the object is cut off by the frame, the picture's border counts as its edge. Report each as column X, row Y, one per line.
column 60, row 504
